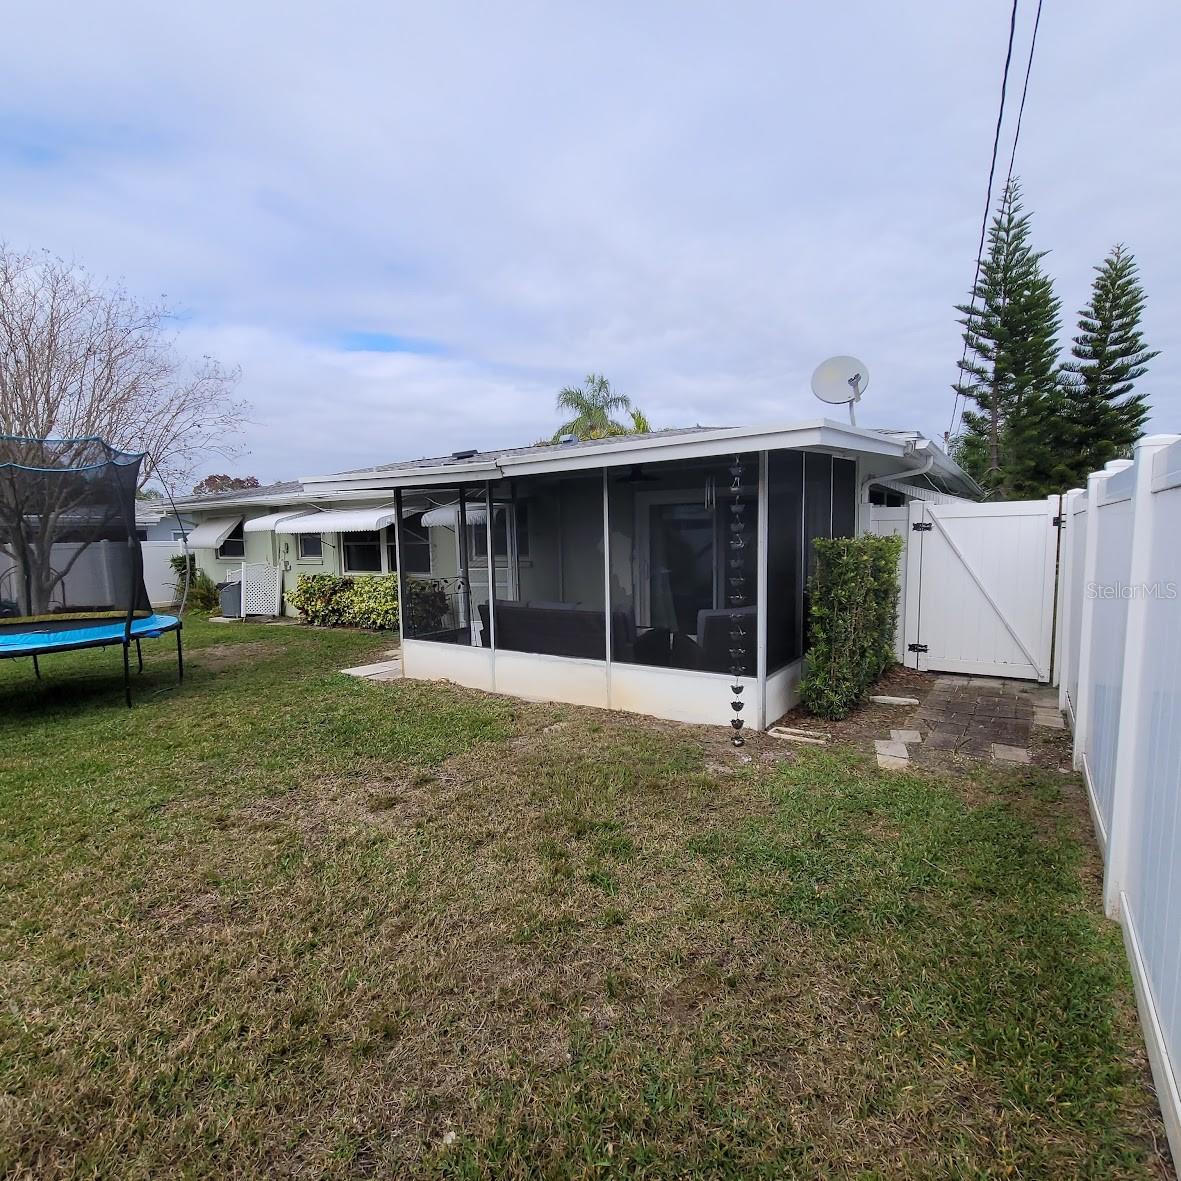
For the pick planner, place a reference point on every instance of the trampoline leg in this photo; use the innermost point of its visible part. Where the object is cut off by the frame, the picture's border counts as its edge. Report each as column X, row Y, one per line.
column 127, row 674
column 36, row 668
column 180, row 658
column 139, row 655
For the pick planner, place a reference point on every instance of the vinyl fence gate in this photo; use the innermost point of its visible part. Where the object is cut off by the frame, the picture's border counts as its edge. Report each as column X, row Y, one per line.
column 978, row 586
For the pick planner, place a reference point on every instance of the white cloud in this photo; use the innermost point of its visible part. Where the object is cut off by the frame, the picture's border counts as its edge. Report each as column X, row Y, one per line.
column 700, row 202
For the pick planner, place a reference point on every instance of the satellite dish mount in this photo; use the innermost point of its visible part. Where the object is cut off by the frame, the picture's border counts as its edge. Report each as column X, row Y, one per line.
column 839, row 380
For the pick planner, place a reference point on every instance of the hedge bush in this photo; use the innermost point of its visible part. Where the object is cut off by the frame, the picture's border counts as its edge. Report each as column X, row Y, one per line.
column 322, row 599
column 203, row 595
column 852, row 614
column 370, row 601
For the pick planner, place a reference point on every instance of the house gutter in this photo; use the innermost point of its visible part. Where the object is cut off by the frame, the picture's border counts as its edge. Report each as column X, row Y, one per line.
column 906, row 473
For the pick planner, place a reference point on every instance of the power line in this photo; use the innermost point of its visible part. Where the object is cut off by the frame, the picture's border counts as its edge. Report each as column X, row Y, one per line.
column 1037, row 20
column 996, row 142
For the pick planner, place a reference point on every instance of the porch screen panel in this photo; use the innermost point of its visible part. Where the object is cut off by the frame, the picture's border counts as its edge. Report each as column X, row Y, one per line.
column 684, row 559
column 844, row 498
column 785, row 553
column 550, row 599
column 817, row 504
column 440, row 530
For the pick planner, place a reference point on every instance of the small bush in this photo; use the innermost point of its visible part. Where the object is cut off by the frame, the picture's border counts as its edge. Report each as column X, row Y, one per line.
column 369, row 601
column 203, row 594
column 426, row 606
column 372, row 602
column 323, row 599
column 852, row 617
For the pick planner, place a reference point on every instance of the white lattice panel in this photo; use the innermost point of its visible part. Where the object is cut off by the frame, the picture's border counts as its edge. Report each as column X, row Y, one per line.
column 260, row 589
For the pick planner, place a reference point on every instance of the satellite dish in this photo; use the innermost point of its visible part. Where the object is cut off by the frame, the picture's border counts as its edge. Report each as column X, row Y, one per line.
column 839, row 380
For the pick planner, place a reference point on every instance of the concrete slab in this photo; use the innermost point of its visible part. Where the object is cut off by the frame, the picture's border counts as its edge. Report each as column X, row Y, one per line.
column 884, row 699
column 905, row 736
column 891, row 748
column 1050, row 718
column 891, row 763
column 390, row 674
column 384, row 670
column 1009, row 754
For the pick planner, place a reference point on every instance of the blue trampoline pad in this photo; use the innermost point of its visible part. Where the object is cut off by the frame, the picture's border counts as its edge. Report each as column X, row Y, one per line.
column 34, row 643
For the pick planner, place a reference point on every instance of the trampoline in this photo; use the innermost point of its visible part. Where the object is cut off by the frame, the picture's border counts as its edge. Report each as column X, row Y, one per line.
column 71, row 567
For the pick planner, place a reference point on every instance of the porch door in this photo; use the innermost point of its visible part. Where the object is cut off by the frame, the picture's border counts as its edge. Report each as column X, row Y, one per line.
column 678, row 551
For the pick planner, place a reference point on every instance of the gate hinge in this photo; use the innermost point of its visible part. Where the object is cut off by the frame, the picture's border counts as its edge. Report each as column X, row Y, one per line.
column 916, row 647
column 922, row 526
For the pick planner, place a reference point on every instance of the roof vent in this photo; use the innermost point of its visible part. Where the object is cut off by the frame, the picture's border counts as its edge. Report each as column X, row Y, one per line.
column 464, row 454
column 564, row 439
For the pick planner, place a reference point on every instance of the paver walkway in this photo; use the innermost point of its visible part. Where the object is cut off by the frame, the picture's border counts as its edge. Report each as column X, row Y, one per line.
column 980, row 717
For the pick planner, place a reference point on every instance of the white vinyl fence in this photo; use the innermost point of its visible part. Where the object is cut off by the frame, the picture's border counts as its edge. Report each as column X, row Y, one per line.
column 1119, row 672
column 159, row 576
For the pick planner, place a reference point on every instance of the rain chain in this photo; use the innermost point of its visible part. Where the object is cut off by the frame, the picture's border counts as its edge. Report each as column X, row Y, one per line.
column 737, row 575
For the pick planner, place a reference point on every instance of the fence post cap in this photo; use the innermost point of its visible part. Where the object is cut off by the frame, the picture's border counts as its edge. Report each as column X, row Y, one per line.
column 1156, row 441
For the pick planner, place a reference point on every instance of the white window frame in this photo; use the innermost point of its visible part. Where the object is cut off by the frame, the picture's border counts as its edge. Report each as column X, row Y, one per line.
column 430, row 555
column 301, row 556
column 382, row 550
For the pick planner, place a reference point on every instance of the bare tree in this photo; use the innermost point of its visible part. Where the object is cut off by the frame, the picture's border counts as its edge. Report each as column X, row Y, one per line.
column 78, row 358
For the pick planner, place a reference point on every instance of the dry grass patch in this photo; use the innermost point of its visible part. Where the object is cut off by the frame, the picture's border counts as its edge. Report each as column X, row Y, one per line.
column 407, row 930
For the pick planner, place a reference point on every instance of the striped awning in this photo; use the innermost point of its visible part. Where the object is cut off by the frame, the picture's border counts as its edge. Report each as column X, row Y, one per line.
column 447, row 517
column 210, row 534
column 271, row 522
column 354, row 520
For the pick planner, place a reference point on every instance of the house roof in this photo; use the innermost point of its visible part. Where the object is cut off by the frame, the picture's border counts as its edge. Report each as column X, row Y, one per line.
column 277, row 493
column 894, row 450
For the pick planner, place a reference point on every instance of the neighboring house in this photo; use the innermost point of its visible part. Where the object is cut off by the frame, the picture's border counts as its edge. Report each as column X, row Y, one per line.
column 643, row 572
column 154, row 521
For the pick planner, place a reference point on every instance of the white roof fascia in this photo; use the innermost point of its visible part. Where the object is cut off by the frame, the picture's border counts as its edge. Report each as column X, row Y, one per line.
column 449, row 473
column 821, row 434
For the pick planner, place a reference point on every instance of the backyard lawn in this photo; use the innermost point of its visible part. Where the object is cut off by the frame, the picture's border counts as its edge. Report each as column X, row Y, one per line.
column 280, row 922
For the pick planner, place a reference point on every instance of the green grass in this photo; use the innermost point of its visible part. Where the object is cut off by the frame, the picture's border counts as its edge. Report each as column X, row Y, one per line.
column 280, row 922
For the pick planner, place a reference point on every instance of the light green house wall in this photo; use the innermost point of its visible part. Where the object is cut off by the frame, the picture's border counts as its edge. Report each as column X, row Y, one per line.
column 273, row 549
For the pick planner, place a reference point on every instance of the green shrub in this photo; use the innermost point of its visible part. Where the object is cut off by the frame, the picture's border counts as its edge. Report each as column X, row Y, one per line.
column 369, row 601
column 203, row 595
column 851, row 619
column 372, row 602
column 322, row 599
column 426, row 606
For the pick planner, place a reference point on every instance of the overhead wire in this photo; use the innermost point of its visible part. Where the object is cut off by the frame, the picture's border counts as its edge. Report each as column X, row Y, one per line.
column 996, row 141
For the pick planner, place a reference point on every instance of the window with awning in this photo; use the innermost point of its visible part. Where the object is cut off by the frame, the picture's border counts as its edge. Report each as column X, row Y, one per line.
column 211, row 533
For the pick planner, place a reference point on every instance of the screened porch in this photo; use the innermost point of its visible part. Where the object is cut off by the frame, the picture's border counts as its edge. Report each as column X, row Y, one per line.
column 654, row 587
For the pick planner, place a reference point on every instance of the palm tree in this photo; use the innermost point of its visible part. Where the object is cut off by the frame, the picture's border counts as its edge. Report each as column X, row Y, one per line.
column 592, row 405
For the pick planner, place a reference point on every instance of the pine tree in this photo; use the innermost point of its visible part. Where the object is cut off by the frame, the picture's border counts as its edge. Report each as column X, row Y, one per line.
column 1102, row 415
column 1009, row 376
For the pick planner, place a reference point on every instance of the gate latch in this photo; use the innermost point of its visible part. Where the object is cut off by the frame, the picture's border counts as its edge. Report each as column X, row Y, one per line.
column 1057, row 522
column 922, row 526
column 916, row 647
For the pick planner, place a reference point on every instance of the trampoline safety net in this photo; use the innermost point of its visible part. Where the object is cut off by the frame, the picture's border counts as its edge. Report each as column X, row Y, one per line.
column 68, row 546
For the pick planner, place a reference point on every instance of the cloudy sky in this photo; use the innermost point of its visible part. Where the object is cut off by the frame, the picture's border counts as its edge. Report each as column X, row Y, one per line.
column 411, row 224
